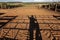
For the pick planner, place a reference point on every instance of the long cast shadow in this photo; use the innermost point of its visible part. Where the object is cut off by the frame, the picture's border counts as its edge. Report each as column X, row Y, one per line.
column 34, row 26
column 57, row 16
column 2, row 13
column 8, row 18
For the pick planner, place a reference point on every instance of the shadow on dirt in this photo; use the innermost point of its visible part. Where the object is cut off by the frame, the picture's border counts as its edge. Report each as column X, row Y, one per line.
column 34, row 26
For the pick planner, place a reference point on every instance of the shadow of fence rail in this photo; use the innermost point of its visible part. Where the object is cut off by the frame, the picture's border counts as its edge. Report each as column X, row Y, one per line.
column 33, row 25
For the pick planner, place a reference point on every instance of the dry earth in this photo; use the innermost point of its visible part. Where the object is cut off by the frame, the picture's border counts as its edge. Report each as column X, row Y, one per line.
column 18, row 28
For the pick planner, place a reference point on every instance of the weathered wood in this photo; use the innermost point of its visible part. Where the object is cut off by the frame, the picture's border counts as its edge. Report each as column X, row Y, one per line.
column 57, row 7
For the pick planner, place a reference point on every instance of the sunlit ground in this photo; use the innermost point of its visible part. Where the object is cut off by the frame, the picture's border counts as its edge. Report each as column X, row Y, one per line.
column 18, row 27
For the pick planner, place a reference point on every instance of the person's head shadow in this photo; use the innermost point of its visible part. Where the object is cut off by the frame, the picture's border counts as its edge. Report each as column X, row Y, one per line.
column 32, row 18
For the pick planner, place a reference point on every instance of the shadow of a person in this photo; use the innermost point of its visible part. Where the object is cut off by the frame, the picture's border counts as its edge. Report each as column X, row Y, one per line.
column 54, row 38
column 34, row 26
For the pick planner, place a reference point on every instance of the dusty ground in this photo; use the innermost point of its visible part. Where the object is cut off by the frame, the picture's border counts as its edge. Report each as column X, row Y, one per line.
column 29, row 10
column 18, row 28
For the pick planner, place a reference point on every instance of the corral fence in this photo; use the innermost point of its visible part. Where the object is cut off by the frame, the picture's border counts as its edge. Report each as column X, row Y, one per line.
column 9, row 5
column 52, row 6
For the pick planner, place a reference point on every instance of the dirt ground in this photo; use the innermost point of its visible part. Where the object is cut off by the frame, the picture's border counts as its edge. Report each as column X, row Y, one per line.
column 27, row 10
column 18, row 28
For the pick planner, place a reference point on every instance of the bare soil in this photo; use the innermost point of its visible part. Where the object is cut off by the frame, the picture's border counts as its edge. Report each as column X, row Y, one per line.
column 17, row 29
